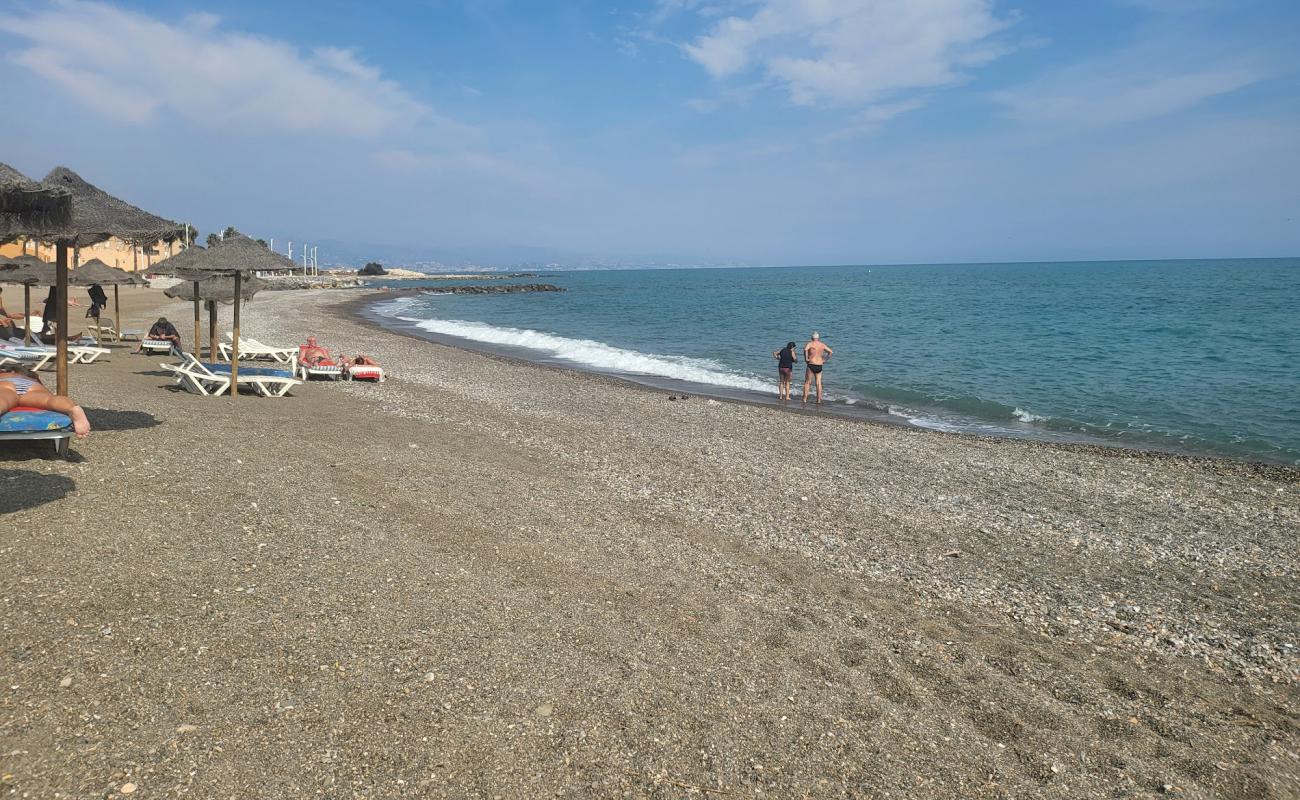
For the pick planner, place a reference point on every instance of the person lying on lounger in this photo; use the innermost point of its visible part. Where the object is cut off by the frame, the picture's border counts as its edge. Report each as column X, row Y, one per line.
column 20, row 387
column 163, row 331
column 313, row 355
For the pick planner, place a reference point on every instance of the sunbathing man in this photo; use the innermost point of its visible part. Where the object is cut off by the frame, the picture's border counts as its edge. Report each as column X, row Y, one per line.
column 313, row 355
column 163, row 331
column 23, row 388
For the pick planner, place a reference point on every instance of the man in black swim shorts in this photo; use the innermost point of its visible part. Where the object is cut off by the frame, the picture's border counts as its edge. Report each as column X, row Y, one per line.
column 815, row 355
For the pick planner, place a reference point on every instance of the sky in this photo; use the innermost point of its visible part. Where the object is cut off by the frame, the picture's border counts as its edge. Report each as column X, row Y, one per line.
column 679, row 131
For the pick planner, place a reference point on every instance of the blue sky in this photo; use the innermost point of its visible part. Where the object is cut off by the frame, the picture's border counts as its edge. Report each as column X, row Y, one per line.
column 695, row 131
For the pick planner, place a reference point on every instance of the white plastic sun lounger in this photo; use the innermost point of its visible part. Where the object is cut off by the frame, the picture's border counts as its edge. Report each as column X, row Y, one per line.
column 77, row 354
column 252, row 349
column 333, row 372
column 31, row 357
column 81, row 354
column 214, row 379
column 152, row 346
column 104, row 328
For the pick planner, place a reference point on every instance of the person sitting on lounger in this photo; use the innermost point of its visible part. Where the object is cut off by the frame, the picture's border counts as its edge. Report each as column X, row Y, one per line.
column 20, row 387
column 163, row 331
column 313, row 355
column 7, row 328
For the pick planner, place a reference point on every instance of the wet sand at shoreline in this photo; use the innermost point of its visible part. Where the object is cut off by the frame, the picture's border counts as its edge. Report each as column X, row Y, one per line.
column 487, row 578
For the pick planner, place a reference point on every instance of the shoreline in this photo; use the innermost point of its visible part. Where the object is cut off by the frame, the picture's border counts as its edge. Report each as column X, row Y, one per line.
column 358, row 310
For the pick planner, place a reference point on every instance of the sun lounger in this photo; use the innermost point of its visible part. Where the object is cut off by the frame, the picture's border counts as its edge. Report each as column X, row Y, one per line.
column 102, row 330
column 152, row 346
column 44, row 353
column 214, row 379
column 30, row 424
column 365, row 372
column 252, row 349
column 330, row 371
column 33, row 358
column 85, row 354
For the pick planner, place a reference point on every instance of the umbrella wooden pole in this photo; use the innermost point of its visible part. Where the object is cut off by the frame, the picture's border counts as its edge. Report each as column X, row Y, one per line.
column 61, row 318
column 212, row 330
column 198, row 323
column 234, row 345
column 117, row 314
column 27, row 313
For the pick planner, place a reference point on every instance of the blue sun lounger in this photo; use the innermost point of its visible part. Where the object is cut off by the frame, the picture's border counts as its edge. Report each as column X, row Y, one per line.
column 30, row 424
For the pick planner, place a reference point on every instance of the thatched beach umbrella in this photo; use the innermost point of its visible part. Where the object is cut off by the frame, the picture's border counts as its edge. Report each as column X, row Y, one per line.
column 175, row 266
column 29, row 202
column 95, row 271
column 235, row 256
column 212, row 291
column 28, row 271
column 94, row 217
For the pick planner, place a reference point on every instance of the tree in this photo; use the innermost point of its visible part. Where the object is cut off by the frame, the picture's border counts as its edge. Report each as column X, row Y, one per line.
column 229, row 232
column 373, row 268
column 213, row 239
column 262, row 242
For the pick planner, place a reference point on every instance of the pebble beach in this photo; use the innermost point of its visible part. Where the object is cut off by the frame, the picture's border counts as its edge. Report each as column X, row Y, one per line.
column 486, row 578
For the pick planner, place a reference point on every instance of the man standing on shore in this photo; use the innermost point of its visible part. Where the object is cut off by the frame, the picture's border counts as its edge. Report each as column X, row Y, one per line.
column 815, row 354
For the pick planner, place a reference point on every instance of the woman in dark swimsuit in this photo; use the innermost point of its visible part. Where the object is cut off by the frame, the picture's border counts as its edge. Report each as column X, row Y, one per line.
column 23, row 388
column 785, row 366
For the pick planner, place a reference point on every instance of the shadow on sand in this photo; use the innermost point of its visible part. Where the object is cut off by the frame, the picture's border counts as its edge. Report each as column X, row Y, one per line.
column 107, row 419
column 21, row 489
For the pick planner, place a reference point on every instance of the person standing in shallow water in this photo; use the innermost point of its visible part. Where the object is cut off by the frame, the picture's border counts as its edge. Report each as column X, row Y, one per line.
column 785, row 359
column 815, row 356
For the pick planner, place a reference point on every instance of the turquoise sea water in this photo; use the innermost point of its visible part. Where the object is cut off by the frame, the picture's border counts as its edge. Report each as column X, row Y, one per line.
column 1190, row 356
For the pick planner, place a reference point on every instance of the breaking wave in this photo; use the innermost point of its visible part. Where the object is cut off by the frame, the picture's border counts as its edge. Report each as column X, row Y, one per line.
column 594, row 355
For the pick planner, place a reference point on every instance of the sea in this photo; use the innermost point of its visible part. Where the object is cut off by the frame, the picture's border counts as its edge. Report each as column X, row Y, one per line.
column 1193, row 357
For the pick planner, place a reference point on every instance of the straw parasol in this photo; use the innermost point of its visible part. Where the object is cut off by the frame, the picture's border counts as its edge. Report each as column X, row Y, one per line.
column 28, row 271
column 235, row 256
column 96, row 271
column 29, row 202
column 215, row 290
column 94, row 216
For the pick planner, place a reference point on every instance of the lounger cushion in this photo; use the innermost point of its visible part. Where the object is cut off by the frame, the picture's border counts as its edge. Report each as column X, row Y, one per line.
column 32, row 420
column 365, row 372
column 265, row 372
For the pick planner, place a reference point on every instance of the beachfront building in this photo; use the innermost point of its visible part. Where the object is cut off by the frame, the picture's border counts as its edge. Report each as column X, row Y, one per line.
column 114, row 252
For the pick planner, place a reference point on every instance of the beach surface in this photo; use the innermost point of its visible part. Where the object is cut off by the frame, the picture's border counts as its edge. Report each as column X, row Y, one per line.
column 485, row 578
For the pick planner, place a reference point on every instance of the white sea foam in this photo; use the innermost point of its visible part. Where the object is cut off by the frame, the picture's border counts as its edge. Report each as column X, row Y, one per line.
column 922, row 420
column 1027, row 416
column 394, row 307
column 596, row 355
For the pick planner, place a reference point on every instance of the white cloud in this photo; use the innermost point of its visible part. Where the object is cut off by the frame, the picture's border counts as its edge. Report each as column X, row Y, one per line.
column 872, row 118
column 852, row 52
column 1125, row 88
column 133, row 67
